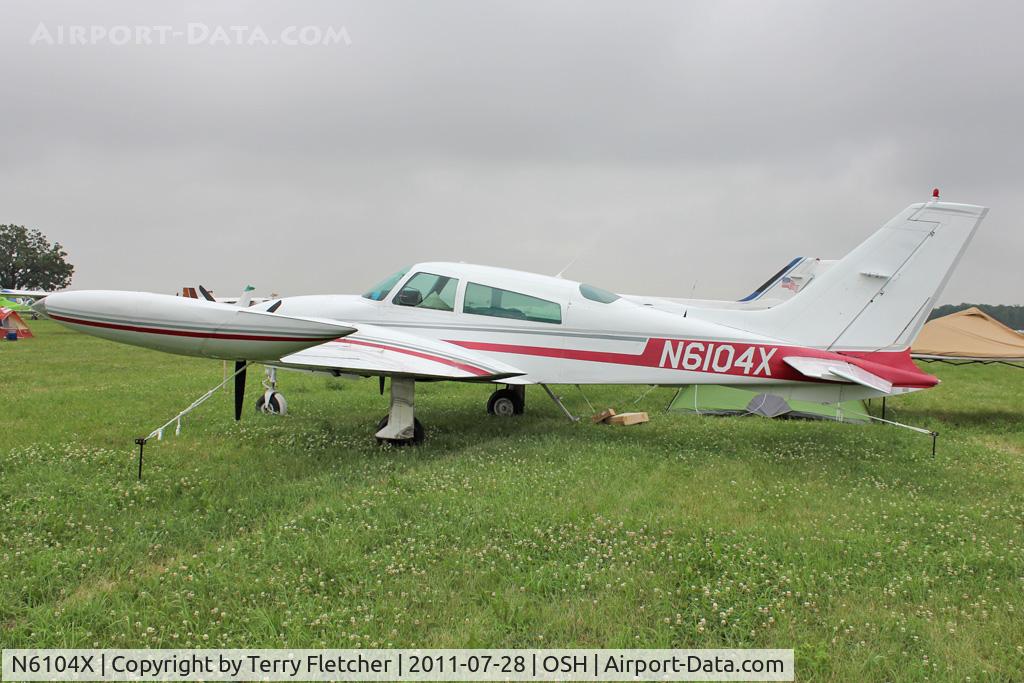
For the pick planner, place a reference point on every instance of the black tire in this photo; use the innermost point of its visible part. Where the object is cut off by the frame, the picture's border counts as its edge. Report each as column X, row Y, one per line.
column 505, row 403
column 275, row 403
column 418, row 433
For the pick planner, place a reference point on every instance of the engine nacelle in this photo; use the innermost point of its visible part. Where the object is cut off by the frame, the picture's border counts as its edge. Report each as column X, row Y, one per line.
column 186, row 326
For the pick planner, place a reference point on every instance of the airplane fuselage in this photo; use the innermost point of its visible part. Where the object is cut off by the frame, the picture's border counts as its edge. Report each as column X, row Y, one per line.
column 592, row 342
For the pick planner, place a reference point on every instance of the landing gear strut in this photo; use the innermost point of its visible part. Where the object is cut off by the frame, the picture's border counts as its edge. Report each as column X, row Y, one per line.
column 508, row 401
column 400, row 426
column 271, row 401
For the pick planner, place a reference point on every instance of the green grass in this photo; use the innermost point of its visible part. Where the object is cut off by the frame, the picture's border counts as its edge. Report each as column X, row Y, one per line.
column 849, row 543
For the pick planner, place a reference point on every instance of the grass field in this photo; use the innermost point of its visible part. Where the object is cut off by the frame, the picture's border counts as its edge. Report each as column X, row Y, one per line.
column 850, row 544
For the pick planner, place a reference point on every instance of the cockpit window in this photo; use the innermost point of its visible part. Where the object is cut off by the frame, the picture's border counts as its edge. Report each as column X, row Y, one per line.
column 381, row 289
column 501, row 303
column 426, row 290
column 601, row 296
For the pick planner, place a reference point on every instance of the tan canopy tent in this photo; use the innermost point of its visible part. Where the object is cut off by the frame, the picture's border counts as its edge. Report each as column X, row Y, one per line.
column 969, row 336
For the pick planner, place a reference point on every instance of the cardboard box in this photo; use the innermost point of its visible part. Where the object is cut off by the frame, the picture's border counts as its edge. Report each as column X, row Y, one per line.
column 625, row 419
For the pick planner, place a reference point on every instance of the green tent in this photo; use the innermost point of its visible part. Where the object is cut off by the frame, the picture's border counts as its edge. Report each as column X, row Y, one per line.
column 14, row 305
column 710, row 399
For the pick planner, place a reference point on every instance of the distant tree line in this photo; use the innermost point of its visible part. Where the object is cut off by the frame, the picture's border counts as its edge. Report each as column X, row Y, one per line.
column 1011, row 316
column 29, row 261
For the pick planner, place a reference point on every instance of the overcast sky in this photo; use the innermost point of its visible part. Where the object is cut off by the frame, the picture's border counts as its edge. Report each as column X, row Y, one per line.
column 672, row 148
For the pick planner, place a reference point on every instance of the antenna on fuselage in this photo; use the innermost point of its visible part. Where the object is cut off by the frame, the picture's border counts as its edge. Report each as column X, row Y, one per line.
column 594, row 240
column 576, row 258
column 568, row 265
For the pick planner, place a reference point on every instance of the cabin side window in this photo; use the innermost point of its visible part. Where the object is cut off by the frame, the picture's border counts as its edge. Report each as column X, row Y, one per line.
column 502, row 303
column 427, row 290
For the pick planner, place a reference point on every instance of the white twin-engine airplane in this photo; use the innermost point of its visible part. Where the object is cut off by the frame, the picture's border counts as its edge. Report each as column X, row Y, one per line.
column 844, row 336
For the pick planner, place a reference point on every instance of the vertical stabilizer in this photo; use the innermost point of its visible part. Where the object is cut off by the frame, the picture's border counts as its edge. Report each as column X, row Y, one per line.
column 880, row 294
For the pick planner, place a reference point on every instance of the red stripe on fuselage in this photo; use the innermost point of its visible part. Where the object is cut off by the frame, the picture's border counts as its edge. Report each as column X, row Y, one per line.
column 764, row 361
column 185, row 333
column 479, row 372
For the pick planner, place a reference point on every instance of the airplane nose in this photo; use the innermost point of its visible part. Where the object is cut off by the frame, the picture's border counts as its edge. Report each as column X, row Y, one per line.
column 40, row 307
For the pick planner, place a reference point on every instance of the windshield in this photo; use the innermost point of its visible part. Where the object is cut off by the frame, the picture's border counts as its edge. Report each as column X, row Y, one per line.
column 381, row 289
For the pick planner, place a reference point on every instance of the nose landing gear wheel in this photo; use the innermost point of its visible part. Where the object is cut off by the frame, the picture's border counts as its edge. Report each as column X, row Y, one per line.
column 505, row 403
column 419, row 433
column 272, row 403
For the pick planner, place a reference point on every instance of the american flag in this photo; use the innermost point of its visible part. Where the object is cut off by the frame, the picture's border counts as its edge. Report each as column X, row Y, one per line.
column 790, row 284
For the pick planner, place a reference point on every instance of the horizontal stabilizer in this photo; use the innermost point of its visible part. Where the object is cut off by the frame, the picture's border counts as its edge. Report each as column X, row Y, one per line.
column 837, row 371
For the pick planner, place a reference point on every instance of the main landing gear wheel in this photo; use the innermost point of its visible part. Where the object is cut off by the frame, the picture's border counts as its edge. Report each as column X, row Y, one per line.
column 400, row 426
column 272, row 403
column 505, row 403
column 419, row 433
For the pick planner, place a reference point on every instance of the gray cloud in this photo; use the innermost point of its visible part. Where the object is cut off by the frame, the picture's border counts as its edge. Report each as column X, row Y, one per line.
column 673, row 148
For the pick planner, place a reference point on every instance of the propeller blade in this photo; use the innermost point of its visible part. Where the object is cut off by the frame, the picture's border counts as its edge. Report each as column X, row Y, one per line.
column 239, row 388
column 274, row 306
column 206, row 294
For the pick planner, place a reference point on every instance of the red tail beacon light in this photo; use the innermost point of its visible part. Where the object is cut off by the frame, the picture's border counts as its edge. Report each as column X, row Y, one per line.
column 935, row 193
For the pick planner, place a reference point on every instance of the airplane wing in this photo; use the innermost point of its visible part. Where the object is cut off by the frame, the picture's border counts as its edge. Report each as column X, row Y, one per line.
column 374, row 351
column 837, row 371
